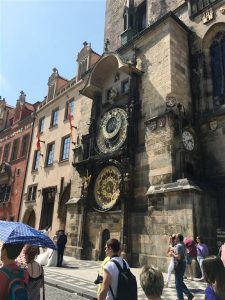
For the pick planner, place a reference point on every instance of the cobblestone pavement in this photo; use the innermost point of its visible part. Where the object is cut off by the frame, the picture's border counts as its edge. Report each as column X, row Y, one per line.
column 52, row 293
column 78, row 276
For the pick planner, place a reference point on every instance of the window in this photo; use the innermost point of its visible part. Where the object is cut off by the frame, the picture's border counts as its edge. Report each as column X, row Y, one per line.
column 65, row 148
column 41, row 125
column 51, row 92
column 108, row 94
column 14, row 150
column 198, row 5
column 54, row 119
column 71, row 104
column 141, row 16
column 25, row 141
column 6, row 152
column 32, row 193
column 125, row 86
column 50, row 154
column 36, row 161
column 217, row 52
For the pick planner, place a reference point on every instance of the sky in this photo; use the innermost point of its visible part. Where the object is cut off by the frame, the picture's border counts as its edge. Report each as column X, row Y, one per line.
column 36, row 36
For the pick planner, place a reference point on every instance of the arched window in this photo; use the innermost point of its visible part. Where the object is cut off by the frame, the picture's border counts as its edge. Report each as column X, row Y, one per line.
column 217, row 52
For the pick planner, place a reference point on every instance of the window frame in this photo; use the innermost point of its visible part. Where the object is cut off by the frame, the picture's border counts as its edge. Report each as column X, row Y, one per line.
column 63, row 148
column 32, row 193
column 47, row 164
column 41, row 125
column 7, row 154
column 36, row 157
column 54, row 121
column 201, row 6
column 123, row 83
column 14, row 152
column 66, row 109
column 27, row 137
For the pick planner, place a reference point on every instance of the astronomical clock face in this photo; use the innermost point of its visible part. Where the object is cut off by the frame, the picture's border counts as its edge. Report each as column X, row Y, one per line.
column 188, row 140
column 107, row 187
column 112, row 130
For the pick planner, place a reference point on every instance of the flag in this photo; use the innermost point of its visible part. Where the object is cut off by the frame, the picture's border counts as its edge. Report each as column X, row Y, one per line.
column 38, row 144
column 69, row 118
column 70, row 122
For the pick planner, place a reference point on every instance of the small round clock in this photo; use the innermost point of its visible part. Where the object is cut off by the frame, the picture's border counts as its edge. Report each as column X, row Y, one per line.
column 188, row 140
column 107, row 187
column 112, row 131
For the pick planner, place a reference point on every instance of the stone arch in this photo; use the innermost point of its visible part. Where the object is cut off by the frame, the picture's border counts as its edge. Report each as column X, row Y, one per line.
column 29, row 217
column 211, row 33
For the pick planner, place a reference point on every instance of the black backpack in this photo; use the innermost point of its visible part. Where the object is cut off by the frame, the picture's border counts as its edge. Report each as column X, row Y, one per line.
column 127, row 283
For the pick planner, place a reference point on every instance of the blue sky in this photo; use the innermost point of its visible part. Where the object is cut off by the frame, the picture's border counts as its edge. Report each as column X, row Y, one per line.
column 36, row 36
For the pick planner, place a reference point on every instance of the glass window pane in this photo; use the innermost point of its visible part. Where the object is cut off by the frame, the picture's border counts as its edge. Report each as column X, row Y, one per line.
column 66, row 148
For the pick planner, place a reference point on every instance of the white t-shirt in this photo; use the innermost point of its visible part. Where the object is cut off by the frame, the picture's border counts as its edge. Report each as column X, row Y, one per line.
column 112, row 269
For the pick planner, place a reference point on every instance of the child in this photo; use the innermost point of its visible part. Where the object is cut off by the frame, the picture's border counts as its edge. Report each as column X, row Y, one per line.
column 214, row 273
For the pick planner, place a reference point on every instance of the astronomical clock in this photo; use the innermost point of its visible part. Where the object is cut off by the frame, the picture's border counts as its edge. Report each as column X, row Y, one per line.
column 111, row 136
column 112, row 130
column 107, row 188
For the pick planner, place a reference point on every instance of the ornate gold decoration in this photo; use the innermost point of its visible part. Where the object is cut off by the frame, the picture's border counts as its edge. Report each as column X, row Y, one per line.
column 107, row 187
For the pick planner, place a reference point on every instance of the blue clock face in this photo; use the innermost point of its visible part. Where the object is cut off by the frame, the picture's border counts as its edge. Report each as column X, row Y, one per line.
column 112, row 130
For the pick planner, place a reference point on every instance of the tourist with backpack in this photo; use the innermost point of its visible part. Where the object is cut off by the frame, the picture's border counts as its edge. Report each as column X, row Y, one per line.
column 13, row 279
column 118, row 281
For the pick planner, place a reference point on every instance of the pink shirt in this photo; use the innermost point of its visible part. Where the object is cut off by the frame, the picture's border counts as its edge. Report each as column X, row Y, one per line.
column 223, row 254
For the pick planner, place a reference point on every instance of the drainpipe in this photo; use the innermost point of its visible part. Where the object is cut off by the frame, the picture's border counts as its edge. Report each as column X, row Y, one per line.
column 28, row 158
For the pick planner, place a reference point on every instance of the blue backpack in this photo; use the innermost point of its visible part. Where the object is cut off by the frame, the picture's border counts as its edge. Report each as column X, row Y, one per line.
column 17, row 288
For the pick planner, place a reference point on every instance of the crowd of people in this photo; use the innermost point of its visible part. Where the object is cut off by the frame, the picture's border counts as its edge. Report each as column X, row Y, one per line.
column 182, row 252
column 22, row 273
column 115, row 279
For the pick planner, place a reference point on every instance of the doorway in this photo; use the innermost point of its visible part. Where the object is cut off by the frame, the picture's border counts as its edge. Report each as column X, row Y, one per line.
column 105, row 237
column 29, row 218
column 47, row 207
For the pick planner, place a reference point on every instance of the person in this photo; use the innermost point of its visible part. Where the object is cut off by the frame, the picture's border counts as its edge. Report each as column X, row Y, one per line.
column 10, row 273
column 100, row 275
column 222, row 253
column 45, row 231
column 191, row 254
column 111, row 272
column 179, row 255
column 171, row 264
column 35, row 271
column 214, row 274
column 49, row 257
column 61, row 244
column 202, row 252
column 151, row 280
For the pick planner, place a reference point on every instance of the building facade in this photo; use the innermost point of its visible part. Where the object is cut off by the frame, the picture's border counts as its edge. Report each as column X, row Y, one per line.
column 56, row 132
column 152, row 161
column 16, row 125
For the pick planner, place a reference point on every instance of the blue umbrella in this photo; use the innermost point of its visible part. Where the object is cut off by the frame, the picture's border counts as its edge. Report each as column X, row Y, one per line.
column 19, row 233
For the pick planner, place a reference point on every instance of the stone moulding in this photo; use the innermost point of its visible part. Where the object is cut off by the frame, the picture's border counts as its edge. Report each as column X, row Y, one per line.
column 179, row 185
